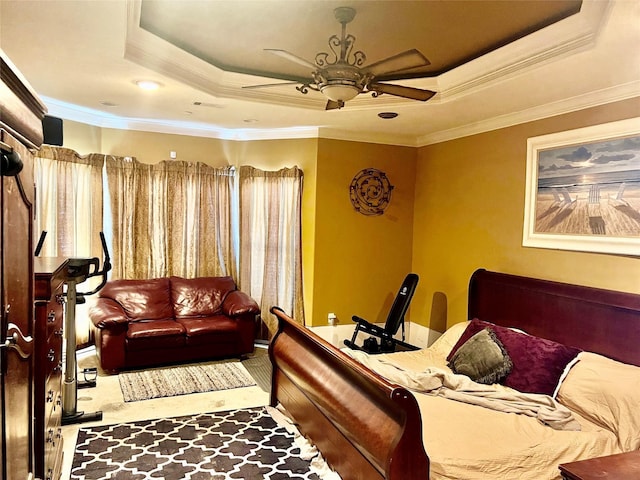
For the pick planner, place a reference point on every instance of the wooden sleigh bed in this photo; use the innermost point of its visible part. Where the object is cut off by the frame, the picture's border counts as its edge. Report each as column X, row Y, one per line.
column 368, row 428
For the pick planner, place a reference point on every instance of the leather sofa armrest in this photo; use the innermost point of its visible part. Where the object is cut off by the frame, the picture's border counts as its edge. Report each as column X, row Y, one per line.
column 239, row 303
column 106, row 313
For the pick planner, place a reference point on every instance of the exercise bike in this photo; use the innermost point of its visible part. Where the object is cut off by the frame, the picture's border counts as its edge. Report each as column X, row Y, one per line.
column 78, row 270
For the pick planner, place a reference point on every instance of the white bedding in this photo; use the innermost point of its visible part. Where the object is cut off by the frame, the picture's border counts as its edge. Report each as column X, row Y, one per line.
column 470, row 442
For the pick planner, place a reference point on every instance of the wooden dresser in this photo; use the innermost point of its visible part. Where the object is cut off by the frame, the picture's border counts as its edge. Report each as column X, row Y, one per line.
column 21, row 114
column 48, row 333
column 623, row 466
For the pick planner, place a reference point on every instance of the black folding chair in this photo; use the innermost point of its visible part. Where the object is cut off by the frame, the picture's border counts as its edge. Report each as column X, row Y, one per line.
column 395, row 320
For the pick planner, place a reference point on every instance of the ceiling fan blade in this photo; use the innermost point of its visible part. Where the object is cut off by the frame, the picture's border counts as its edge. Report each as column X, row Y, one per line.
column 402, row 61
column 401, row 91
column 267, row 85
column 291, row 57
column 332, row 105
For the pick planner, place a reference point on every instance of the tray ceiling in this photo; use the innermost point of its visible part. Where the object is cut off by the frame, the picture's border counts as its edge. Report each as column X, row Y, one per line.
column 493, row 63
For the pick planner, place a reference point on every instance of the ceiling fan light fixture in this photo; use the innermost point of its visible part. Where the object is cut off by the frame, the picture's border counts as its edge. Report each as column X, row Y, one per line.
column 339, row 92
column 340, row 75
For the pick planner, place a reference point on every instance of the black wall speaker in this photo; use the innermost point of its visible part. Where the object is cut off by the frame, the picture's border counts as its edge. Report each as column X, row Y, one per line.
column 52, row 129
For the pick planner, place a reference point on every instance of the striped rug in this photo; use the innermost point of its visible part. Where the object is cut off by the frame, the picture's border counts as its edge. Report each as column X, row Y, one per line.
column 183, row 379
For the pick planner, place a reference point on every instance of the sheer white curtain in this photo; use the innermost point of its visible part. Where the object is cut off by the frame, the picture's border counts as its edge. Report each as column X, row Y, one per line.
column 172, row 218
column 270, row 240
column 69, row 209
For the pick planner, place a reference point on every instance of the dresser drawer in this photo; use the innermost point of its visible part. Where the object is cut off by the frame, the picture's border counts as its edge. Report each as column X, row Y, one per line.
column 53, row 354
column 53, row 397
column 53, row 447
column 55, row 314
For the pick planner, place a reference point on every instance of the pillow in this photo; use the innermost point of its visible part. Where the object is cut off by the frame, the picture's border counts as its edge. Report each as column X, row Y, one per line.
column 482, row 358
column 445, row 342
column 538, row 363
column 607, row 393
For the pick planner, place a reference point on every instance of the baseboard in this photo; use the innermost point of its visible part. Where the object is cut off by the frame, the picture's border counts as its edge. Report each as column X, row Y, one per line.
column 415, row 334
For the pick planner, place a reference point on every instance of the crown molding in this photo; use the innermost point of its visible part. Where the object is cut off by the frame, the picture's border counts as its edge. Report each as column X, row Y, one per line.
column 554, row 42
column 105, row 120
column 568, row 105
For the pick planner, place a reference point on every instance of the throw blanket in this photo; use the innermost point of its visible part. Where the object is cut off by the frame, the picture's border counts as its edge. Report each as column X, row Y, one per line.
column 461, row 388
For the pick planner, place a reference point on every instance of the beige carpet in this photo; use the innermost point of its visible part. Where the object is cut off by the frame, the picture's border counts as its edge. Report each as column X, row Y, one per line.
column 183, row 379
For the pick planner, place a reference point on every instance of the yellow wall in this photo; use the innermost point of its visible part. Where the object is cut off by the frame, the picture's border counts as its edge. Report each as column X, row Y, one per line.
column 82, row 138
column 469, row 209
column 456, row 206
column 150, row 147
column 360, row 261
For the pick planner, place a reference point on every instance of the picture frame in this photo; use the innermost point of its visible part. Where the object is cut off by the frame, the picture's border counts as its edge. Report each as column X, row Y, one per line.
column 583, row 189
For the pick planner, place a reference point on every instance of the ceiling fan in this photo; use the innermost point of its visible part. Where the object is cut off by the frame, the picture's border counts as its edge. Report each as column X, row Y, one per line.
column 340, row 76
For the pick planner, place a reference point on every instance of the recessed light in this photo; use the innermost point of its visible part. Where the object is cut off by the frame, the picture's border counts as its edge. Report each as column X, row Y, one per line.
column 387, row 115
column 147, row 84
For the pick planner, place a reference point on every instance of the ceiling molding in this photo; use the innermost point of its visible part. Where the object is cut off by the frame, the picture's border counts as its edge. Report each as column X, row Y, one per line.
column 568, row 105
column 554, row 42
column 104, row 120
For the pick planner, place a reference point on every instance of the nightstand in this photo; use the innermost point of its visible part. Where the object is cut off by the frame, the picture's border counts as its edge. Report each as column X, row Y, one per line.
column 623, row 466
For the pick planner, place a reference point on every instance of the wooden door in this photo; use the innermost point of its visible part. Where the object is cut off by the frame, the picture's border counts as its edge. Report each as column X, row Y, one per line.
column 16, row 329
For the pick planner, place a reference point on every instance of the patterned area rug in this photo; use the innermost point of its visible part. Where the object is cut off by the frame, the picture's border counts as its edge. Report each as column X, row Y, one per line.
column 184, row 379
column 240, row 444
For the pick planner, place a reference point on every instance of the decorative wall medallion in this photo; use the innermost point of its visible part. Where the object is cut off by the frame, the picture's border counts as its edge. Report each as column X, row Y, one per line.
column 370, row 192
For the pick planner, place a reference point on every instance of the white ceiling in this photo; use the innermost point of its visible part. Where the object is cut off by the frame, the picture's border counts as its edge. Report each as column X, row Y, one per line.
column 80, row 54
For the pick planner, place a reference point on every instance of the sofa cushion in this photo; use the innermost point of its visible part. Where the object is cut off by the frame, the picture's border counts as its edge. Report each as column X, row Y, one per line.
column 141, row 299
column 152, row 334
column 199, row 297
column 216, row 329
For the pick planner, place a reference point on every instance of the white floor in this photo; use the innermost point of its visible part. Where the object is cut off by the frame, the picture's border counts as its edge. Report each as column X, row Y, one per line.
column 107, row 398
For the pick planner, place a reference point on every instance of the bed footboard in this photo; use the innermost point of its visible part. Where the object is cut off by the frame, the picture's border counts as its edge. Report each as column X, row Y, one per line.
column 365, row 427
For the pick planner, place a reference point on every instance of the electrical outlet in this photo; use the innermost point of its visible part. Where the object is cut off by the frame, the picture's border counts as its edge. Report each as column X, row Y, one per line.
column 332, row 318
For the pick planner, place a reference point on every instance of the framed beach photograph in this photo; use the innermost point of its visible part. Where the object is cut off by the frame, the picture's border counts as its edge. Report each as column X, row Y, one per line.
column 583, row 189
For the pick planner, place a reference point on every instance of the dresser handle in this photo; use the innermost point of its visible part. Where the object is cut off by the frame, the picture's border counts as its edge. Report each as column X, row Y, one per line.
column 50, row 395
column 51, row 356
column 51, row 318
column 58, row 333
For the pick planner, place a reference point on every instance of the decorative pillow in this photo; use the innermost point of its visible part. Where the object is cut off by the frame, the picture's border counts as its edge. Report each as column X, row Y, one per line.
column 538, row 363
column 482, row 358
column 607, row 393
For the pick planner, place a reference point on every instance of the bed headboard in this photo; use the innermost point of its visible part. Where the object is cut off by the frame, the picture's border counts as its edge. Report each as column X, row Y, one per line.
column 601, row 321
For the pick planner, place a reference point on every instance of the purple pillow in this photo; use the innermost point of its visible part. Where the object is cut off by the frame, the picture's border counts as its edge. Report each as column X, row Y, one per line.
column 538, row 364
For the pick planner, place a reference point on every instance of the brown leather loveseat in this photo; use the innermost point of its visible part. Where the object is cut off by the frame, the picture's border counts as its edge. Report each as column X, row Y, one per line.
column 165, row 320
